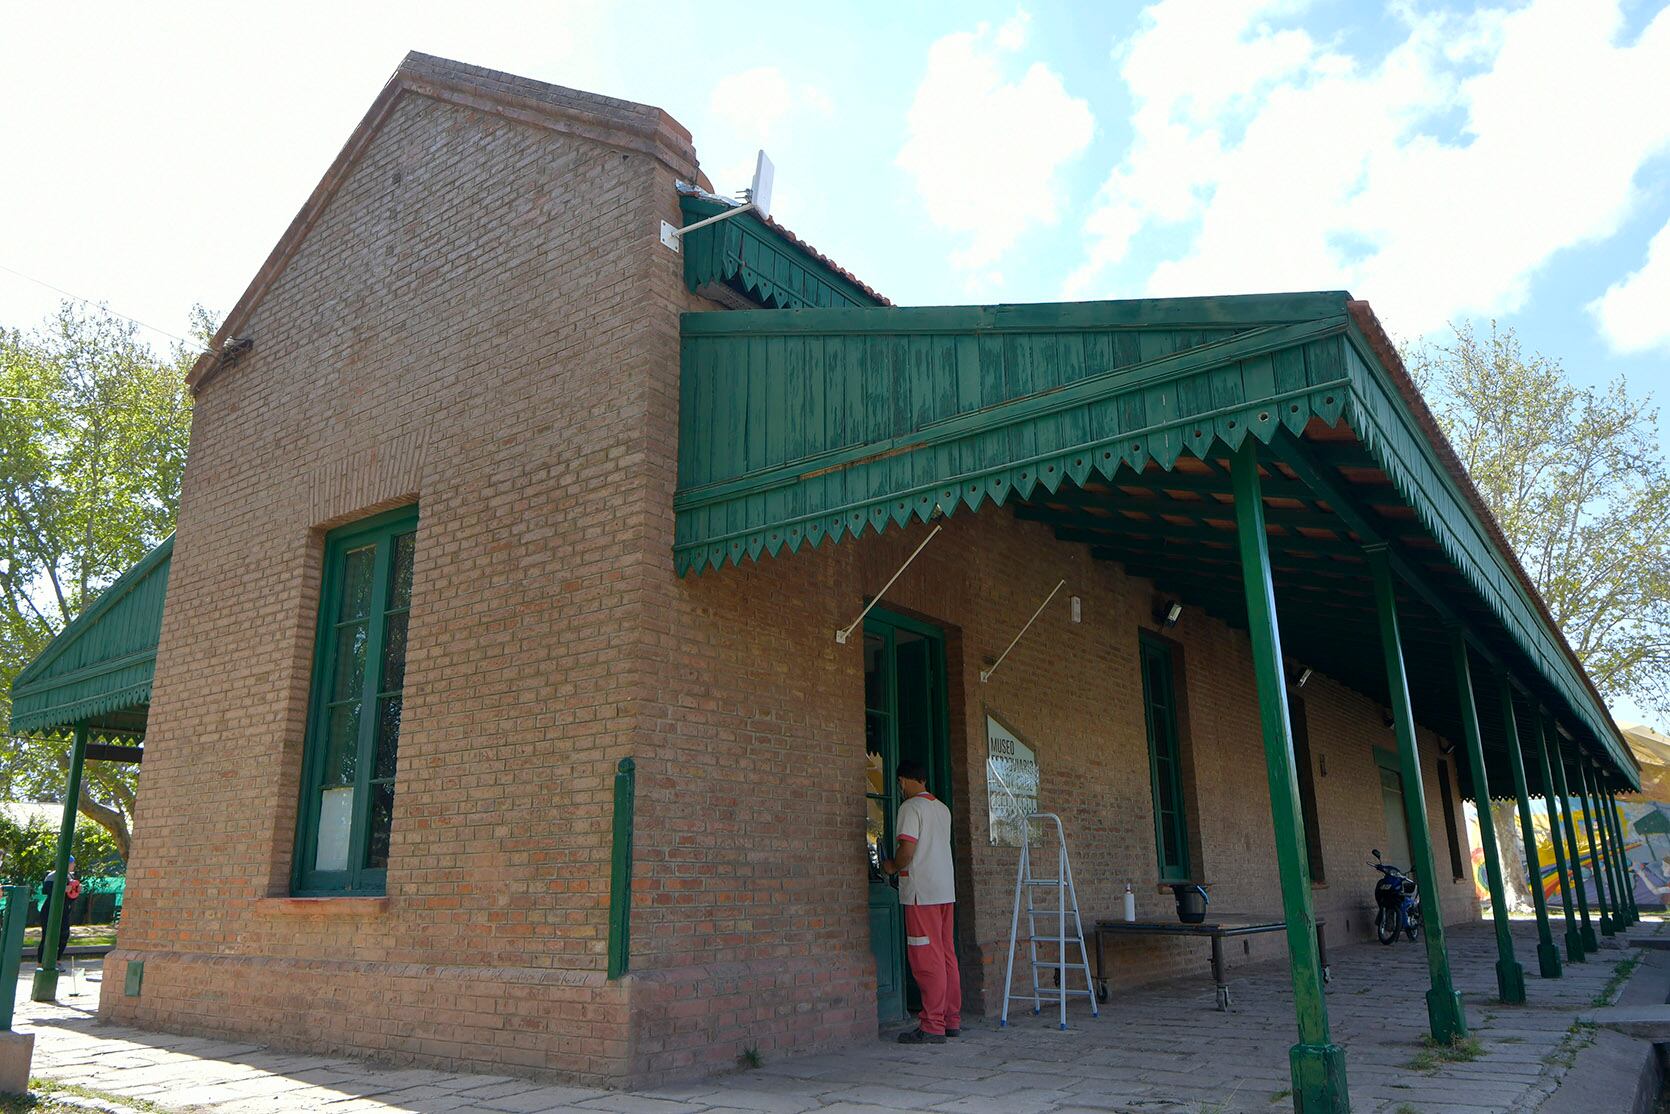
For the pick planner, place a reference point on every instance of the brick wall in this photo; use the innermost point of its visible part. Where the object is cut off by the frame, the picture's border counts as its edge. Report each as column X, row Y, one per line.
column 482, row 320
column 465, row 326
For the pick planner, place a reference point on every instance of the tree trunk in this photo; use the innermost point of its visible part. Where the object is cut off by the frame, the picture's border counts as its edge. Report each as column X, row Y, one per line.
column 1515, row 876
column 110, row 819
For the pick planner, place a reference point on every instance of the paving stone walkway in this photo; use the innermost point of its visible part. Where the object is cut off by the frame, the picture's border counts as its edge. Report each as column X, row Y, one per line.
column 1159, row 1050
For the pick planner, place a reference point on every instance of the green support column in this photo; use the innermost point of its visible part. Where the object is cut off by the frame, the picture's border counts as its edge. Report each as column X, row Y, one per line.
column 1599, row 867
column 1548, row 956
column 1443, row 1004
column 1574, row 940
column 1316, row 1062
column 1614, row 855
column 1631, row 910
column 1510, row 976
column 45, row 988
column 1585, row 930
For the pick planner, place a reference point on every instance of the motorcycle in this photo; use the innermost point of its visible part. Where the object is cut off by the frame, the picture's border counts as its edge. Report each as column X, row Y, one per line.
column 1397, row 901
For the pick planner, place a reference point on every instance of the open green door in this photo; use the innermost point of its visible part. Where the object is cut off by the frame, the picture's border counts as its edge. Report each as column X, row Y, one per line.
column 905, row 716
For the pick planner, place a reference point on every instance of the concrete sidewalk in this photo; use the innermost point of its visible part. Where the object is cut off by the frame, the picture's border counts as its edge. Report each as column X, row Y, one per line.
column 1157, row 1050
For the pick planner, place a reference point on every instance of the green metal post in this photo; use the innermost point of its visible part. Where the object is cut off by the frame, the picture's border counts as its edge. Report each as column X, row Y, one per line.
column 1585, row 930
column 1620, row 859
column 1631, row 910
column 1574, row 940
column 620, row 870
column 1548, row 956
column 11, row 949
column 1510, row 976
column 1443, row 1005
column 45, row 988
column 1614, row 857
column 1316, row 1062
column 1598, row 867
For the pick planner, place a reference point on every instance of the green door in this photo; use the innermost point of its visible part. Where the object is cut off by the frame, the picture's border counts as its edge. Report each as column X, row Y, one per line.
column 905, row 716
column 1396, row 850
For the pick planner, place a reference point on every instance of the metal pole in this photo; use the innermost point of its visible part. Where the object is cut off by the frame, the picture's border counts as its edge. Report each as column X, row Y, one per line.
column 1574, row 940
column 1317, row 1064
column 1598, row 868
column 1510, row 976
column 620, row 870
column 1614, row 815
column 11, row 945
column 1443, row 1004
column 1586, row 930
column 1615, row 878
column 45, row 988
column 1548, row 956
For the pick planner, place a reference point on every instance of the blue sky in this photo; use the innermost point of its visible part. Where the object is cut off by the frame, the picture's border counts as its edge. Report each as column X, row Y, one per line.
column 1446, row 162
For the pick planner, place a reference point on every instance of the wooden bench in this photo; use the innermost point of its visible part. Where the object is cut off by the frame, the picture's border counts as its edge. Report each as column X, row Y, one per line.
column 1217, row 930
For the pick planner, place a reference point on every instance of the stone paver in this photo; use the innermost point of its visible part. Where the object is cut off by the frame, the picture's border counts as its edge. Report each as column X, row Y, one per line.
column 1158, row 1050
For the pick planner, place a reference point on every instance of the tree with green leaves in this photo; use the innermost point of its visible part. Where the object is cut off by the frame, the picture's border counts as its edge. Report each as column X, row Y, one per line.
column 1576, row 477
column 94, row 427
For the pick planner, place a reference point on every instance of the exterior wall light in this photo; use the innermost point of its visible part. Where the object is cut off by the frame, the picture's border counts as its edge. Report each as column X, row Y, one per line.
column 1173, row 611
column 1303, row 677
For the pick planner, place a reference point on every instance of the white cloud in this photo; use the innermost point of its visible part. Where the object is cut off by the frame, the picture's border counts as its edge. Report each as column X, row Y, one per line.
column 1634, row 313
column 1434, row 180
column 983, row 150
column 753, row 108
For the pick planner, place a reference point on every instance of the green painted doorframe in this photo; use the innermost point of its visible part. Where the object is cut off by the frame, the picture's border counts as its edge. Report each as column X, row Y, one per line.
column 1574, row 940
column 1586, row 928
column 45, row 987
column 1445, row 1014
column 1317, row 1064
column 1510, row 976
column 1548, row 956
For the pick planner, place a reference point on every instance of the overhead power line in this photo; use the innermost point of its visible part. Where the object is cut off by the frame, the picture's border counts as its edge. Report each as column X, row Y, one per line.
column 105, row 307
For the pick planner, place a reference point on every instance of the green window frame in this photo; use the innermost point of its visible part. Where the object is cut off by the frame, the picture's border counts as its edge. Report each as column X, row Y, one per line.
column 345, row 819
column 1165, row 759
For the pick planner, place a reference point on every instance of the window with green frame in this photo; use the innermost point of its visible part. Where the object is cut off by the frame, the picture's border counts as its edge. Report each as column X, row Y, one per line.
column 1165, row 759
column 353, row 724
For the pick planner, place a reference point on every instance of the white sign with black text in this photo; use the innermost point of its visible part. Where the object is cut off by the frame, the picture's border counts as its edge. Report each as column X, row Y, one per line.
column 1011, row 783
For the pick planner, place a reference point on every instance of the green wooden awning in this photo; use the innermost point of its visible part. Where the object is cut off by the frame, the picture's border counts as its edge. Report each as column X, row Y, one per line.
column 99, row 668
column 1112, row 422
column 761, row 263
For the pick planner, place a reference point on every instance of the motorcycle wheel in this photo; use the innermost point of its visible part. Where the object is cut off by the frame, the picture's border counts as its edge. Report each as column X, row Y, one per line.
column 1385, row 926
column 1412, row 930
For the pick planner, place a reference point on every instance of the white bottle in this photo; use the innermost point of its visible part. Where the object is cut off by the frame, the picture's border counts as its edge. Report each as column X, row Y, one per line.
column 1130, row 903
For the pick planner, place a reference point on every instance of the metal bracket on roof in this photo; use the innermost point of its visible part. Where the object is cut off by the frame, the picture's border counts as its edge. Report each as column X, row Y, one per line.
column 759, row 201
column 841, row 636
column 986, row 674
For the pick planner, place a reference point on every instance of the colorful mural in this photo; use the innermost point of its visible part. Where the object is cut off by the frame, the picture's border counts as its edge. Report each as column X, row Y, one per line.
column 1646, row 827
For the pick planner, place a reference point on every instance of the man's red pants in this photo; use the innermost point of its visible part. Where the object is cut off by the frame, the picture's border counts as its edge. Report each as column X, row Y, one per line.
column 933, row 960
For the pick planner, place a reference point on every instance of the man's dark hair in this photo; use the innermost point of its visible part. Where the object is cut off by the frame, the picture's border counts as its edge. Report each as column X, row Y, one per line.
column 914, row 770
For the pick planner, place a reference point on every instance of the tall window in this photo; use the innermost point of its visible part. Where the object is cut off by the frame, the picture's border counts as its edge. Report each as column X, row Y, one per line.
column 353, row 729
column 1451, row 835
column 1306, row 770
column 1165, row 760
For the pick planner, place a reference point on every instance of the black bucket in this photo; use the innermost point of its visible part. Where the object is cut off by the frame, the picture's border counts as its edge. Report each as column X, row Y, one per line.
column 1191, row 903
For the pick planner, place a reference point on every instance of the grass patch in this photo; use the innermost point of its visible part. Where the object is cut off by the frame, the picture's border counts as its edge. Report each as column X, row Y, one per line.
column 42, row 1090
column 750, row 1059
column 1279, row 1095
column 1620, row 974
column 94, row 935
column 1405, row 1108
column 1434, row 1055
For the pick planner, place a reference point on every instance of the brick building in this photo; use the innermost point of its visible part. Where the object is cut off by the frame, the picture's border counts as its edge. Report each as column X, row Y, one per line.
column 501, row 491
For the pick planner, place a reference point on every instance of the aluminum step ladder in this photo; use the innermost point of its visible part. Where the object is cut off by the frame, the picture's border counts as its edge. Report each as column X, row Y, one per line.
column 1066, row 900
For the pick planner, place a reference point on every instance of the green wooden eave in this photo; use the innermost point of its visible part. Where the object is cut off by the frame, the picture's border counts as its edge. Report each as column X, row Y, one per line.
column 800, row 426
column 761, row 264
column 99, row 668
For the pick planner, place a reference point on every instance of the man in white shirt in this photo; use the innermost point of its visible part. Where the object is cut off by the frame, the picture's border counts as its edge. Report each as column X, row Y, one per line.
column 927, row 890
